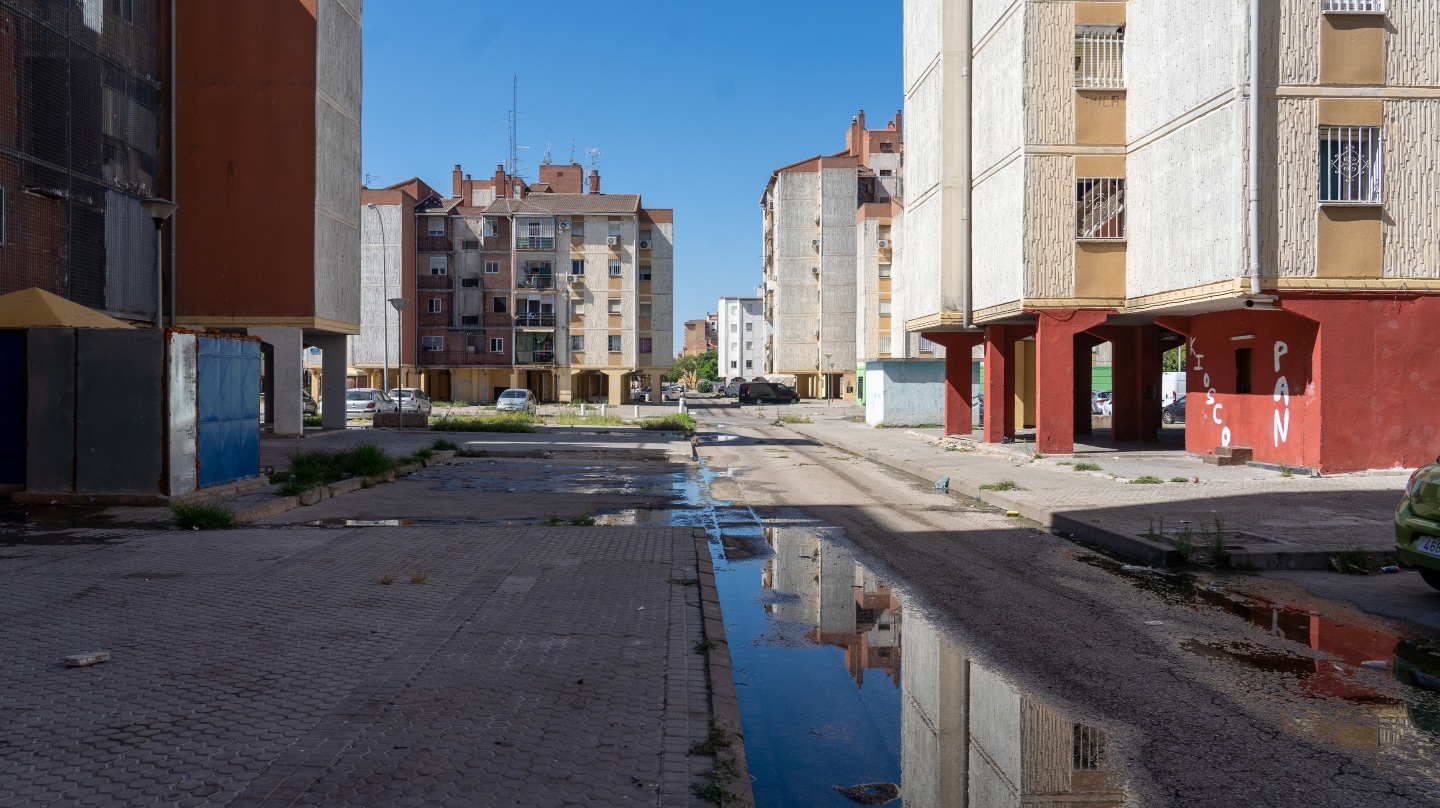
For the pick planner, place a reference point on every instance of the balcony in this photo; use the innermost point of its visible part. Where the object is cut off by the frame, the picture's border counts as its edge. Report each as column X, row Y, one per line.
column 535, row 320
column 523, row 357
column 535, row 243
column 444, row 358
column 536, row 282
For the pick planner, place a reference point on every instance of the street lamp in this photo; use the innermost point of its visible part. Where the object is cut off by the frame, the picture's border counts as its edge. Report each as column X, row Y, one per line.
column 829, row 379
column 399, row 304
column 385, row 280
column 159, row 210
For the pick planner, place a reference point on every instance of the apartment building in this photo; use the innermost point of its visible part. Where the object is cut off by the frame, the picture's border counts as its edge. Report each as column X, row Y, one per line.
column 1256, row 187
column 809, row 212
column 741, row 338
column 700, row 335
column 542, row 285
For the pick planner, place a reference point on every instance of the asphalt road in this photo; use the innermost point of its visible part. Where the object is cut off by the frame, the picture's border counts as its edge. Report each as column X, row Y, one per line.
column 1216, row 704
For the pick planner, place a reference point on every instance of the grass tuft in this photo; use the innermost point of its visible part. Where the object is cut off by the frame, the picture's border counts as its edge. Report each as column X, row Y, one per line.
column 312, row 420
column 1002, row 485
column 1088, row 467
column 1353, row 561
column 1179, row 480
column 419, row 577
column 570, row 416
column 488, row 423
column 444, row 445
column 1146, row 480
column 675, row 422
column 794, row 419
column 202, row 516
column 384, row 579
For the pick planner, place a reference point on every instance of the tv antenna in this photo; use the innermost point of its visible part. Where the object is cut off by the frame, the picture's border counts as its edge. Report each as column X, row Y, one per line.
column 546, row 160
column 512, row 166
column 572, row 151
column 594, row 155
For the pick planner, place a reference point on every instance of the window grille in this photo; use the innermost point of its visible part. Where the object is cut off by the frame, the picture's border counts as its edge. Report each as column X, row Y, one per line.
column 644, row 272
column 1360, row 6
column 615, row 269
column 1099, row 58
column 1100, row 208
column 1351, row 164
column 926, row 346
column 577, row 344
column 1088, row 749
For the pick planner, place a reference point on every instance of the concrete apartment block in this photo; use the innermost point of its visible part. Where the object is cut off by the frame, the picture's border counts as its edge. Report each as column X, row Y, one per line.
column 740, row 334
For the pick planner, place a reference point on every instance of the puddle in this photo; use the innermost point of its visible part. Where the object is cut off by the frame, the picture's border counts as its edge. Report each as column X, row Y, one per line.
column 848, row 698
column 716, row 438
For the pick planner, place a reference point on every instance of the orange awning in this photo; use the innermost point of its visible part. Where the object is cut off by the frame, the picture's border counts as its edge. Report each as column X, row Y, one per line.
column 37, row 308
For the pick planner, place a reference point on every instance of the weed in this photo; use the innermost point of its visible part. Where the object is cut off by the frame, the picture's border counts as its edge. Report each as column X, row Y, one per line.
column 471, row 453
column 1353, row 561
column 1037, row 454
column 312, row 420
column 1286, row 471
column 1179, row 480
column 552, row 520
column 294, row 488
column 1088, row 467
column 444, row 445
column 424, row 454
column 784, row 456
column 1218, row 551
column 1003, row 485
column 419, row 577
column 309, row 469
column 202, row 516
column 927, row 426
column 1146, row 480
column 703, row 646
column 1185, row 543
column 794, row 419
column 584, row 520
column 685, row 581
column 710, row 747
column 384, row 579
column 367, row 483
column 1064, row 463
column 570, row 416
column 488, row 423
column 675, row 422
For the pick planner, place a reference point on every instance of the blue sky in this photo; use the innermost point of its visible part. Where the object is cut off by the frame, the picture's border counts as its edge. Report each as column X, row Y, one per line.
column 692, row 104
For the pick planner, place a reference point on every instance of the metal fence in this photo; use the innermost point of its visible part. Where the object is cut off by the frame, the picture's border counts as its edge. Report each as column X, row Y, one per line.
column 1351, row 164
column 1100, row 208
column 1361, row 6
column 1099, row 59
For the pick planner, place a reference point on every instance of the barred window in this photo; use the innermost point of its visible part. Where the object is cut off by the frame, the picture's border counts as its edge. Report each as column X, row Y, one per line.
column 1100, row 208
column 1354, row 6
column 577, row 344
column 1351, row 164
column 1099, row 58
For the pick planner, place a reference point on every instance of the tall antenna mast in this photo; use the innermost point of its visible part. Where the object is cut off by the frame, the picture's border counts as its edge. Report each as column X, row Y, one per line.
column 546, row 160
column 511, row 168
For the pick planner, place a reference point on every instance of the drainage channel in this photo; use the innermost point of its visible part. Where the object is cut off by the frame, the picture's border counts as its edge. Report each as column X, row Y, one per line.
column 830, row 714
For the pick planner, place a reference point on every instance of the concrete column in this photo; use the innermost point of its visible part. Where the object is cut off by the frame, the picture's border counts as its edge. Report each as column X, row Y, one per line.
column 657, row 382
column 959, row 376
column 999, row 384
column 1084, row 343
column 333, row 361
column 285, row 373
column 1136, row 373
column 616, row 380
column 1055, row 376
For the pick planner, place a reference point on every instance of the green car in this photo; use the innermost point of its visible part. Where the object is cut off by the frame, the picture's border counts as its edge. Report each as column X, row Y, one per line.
column 1417, row 523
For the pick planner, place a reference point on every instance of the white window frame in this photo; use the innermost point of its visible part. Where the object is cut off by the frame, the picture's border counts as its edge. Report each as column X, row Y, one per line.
column 430, row 226
column 1352, row 6
column 614, row 306
column 432, row 343
column 885, row 270
column 882, row 308
column 490, row 227
column 882, row 344
column 614, row 344
column 1099, row 57
column 1352, row 165
column 577, row 263
column 497, row 345
column 925, row 346
column 616, row 269
column 435, row 305
column 441, row 263
column 492, row 267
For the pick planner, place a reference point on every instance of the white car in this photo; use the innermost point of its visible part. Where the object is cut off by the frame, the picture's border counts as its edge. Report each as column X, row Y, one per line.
column 672, row 392
column 516, row 400
column 412, row 399
column 364, row 402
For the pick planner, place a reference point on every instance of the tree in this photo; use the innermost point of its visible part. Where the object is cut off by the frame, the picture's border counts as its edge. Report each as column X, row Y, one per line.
column 707, row 366
column 1174, row 359
column 691, row 369
column 682, row 368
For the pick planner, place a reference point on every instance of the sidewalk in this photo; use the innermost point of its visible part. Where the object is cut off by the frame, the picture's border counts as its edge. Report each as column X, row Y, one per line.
column 1270, row 521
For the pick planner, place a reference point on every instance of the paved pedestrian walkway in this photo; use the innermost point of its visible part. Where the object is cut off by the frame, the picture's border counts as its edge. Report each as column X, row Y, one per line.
column 1270, row 521
column 353, row 666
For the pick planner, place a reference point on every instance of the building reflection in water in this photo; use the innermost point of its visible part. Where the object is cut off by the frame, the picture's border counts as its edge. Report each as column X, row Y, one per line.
column 967, row 736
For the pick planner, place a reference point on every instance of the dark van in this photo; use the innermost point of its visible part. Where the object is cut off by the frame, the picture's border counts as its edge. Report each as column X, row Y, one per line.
column 767, row 393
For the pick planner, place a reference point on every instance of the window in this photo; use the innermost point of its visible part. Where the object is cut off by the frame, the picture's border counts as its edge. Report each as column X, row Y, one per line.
column 439, row 265
column 1242, row 371
column 469, row 283
column 499, row 305
column 644, row 272
column 577, row 266
column 470, row 244
column 435, row 225
column 615, row 269
column 1351, row 164
column 490, row 228
column 749, row 346
column 1100, row 208
column 1099, row 57
column 497, row 345
column 926, row 346
column 884, row 308
column 615, row 227
column 577, row 344
column 432, row 343
column 749, row 327
column 614, row 305
column 577, row 227
column 748, row 364
column 1354, row 6
column 645, row 234
column 435, row 305
column 734, row 328
column 576, row 304
column 645, row 344
column 492, row 267
column 887, row 146
column 614, row 343
column 732, row 364
column 470, row 319
column 884, row 270
column 883, row 344
column 644, row 312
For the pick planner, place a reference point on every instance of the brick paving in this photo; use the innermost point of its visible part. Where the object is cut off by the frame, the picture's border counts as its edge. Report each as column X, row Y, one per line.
column 268, row 667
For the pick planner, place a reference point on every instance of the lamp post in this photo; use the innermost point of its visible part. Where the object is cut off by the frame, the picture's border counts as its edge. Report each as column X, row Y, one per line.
column 159, row 210
column 829, row 379
column 385, row 281
column 399, row 304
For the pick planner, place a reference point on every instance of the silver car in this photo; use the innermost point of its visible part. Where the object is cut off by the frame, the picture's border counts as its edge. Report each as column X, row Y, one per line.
column 364, row 402
column 412, row 399
column 516, row 400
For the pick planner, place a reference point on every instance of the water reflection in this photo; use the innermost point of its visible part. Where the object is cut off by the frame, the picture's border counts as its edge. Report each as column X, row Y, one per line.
column 808, row 622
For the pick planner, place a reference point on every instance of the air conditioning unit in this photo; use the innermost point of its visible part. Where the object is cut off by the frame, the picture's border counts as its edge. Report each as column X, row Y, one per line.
column 576, row 277
column 612, row 240
column 644, row 245
column 883, row 244
column 563, row 225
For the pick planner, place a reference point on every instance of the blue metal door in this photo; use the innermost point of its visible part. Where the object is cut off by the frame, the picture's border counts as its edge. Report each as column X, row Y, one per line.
column 228, row 400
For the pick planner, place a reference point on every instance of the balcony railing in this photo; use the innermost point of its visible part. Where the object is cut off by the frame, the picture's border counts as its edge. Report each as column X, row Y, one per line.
column 1100, row 59
column 534, row 242
column 536, row 282
column 523, row 357
column 535, row 320
column 477, row 357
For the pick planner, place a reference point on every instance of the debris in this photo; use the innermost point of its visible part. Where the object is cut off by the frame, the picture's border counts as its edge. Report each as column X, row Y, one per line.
column 1154, row 622
column 870, row 793
column 943, row 484
column 86, row 659
column 1374, row 663
column 1134, row 568
column 1012, row 513
column 640, row 609
column 1392, row 568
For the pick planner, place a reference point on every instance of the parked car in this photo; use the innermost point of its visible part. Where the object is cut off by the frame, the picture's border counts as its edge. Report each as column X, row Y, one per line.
column 766, row 393
column 364, row 402
column 412, row 399
column 516, row 400
column 673, row 392
column 1098, row 400
column 1417, row 523
column 732, row 387
column 307, row 404
column 1174, row 412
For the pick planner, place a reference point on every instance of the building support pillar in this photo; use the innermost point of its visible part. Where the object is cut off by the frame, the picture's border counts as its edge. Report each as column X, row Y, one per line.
column 959, row 377
column 1084, row 382
column 999, row 383
column 1055, row 375
column 615, row 387
column 333, row 360
column 1135, row 370
column 284, row 377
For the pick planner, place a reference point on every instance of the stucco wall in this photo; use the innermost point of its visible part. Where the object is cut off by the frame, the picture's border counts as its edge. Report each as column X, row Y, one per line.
column 998, row 236
column 1412, row 43
column 904, row 392
column 337, row 160
column 1050, row 226
column 797, row 302
column 837, row 267
column 1288, row 239
column 924, row 79
column 1410, row 230
column 380, row 272
column 1170, row 75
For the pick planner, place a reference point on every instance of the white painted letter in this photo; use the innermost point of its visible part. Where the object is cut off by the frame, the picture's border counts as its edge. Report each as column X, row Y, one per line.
column 1215, row 413
column 1225, row 436
column 1205, row 381
column 1282, row 429
column 1282, row 388
column 1280, row 350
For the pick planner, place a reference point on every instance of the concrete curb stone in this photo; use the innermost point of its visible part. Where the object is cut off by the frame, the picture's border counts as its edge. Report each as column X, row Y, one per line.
column 724, row 703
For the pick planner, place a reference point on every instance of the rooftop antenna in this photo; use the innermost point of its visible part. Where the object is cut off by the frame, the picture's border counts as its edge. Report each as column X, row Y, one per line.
column 514, row 112
column 572, row 151
column 546, row 160
column 370, row 178
column 594, row 155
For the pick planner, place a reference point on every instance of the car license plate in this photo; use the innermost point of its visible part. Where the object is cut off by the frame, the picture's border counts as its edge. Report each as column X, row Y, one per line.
column 1429, row 545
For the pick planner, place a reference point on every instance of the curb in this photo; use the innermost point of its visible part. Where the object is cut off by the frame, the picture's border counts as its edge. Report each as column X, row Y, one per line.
column 279, row 505
column 724, row 704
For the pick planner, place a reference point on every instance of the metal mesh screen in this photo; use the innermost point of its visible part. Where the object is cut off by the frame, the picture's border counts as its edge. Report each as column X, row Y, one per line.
column 80, row 150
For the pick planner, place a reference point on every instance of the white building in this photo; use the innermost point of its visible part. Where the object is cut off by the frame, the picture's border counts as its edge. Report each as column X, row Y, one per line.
column 740, row 335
